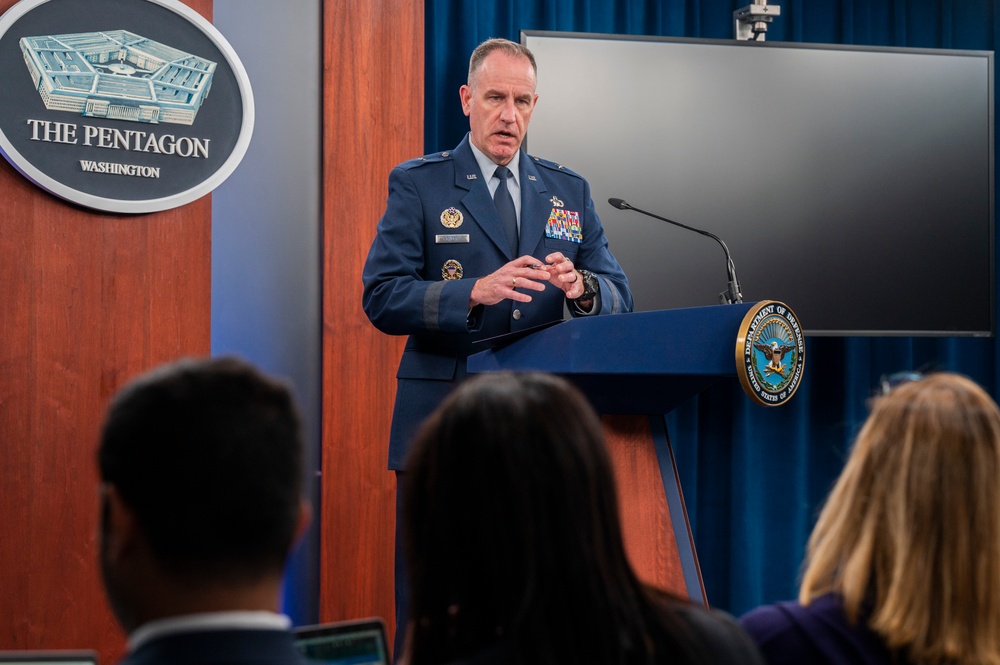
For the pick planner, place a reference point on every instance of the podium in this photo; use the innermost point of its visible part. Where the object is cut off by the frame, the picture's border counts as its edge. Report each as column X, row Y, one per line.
column 635, row 368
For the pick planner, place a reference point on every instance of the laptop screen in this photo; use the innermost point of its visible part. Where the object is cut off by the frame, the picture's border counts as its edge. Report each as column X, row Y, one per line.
column 360, row 642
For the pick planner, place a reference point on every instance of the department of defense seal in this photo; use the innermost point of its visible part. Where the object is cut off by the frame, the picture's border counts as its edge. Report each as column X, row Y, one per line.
column 770, row 353
column 452, row 218
column 451, row 269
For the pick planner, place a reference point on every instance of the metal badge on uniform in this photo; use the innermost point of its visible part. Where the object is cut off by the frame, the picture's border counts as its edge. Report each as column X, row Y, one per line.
column 564, row 225
column 451, row 238
column 451, row 269
column 452, row 218
column 556, row 203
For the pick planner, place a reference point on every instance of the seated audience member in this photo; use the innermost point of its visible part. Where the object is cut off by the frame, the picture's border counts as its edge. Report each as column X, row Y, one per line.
column 202, row 499
column 903, row 566
column 515, row 547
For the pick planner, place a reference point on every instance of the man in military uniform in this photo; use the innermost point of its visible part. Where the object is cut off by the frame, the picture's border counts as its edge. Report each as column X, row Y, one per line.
column 480, row 241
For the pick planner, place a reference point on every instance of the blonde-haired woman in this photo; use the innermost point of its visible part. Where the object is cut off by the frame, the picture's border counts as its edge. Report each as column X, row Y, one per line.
column 903, row 565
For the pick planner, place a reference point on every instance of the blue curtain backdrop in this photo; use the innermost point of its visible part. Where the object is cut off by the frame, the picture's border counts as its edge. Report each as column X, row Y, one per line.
column 753, row 477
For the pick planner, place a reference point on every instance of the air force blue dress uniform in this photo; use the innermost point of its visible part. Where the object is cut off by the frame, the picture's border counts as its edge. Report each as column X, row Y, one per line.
column 439, row 234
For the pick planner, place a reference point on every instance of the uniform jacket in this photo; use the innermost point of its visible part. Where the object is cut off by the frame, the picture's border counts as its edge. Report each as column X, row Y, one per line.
column 439, row 234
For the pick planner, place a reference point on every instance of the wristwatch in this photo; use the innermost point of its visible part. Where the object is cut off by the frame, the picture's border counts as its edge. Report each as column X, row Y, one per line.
column 591, row 287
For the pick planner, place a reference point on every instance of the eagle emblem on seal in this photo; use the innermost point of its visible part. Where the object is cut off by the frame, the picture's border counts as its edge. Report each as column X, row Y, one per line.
column 774, row 353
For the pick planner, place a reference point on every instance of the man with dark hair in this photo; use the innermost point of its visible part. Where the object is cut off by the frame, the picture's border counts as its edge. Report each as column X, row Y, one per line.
column 201, row 499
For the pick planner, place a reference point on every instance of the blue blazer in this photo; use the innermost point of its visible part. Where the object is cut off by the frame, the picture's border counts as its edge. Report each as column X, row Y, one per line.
column 439, row 234
column 219, row 647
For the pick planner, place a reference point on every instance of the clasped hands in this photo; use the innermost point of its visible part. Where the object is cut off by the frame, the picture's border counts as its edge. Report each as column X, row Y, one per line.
column 526, row 274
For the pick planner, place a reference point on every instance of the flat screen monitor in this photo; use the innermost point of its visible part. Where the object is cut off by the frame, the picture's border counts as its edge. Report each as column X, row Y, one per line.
column 854, row 184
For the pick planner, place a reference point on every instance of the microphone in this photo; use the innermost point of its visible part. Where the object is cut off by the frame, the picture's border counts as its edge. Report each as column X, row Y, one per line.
column 732, row 295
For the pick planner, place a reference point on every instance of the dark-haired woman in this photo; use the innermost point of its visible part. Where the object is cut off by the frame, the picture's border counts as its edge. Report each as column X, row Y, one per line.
column 514, row 543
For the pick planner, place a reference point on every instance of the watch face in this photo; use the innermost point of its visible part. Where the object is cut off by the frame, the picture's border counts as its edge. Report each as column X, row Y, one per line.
column 592, row 282
column 590, row 285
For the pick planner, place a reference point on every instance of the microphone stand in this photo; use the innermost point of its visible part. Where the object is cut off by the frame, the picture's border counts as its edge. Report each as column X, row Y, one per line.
column 732, row 295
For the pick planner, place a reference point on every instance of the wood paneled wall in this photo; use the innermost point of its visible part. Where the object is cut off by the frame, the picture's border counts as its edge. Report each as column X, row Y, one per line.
column 87, row 301
column 373, row 77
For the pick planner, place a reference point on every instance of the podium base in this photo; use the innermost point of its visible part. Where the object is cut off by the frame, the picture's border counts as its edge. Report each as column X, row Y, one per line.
column 654, row 519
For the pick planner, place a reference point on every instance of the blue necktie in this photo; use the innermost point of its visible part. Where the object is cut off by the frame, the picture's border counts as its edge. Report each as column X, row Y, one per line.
column 505, row 206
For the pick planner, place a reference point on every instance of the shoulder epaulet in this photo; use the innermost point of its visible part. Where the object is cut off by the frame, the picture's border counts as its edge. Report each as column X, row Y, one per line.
column 554, row 166
column 427, row 159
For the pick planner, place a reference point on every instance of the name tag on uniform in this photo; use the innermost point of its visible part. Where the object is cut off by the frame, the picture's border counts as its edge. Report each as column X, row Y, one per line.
column 451, row 238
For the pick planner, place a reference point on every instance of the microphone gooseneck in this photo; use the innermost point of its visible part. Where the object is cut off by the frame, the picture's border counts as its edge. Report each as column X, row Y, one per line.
column 732, row 294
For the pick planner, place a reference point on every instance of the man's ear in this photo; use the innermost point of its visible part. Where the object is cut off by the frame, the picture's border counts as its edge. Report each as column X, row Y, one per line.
column 465, row 93
column 120, row 529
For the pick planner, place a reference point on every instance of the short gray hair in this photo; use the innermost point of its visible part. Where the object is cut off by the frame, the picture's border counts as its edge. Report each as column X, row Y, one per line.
column 513, row 49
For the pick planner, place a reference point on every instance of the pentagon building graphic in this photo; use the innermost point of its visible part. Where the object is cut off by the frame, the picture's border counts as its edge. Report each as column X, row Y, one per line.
column 117, row 74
